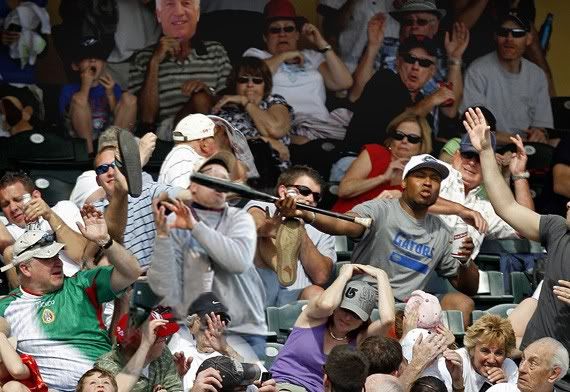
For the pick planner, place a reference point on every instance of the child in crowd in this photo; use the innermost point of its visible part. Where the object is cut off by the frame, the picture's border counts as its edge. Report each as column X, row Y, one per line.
column 90, row 106
column 97, row 380
column 17, row 371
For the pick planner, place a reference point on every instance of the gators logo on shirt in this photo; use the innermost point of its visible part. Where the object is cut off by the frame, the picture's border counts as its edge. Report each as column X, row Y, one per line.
column 48, row 316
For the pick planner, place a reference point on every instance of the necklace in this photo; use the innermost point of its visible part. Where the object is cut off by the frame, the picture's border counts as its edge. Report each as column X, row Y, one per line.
column 334, row 337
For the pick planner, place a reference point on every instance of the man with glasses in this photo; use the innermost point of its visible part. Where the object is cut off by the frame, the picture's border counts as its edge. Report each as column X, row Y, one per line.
column 388, row 94
column 514, row 87
column 180, row 72
column 294, row 260
column 57, row 319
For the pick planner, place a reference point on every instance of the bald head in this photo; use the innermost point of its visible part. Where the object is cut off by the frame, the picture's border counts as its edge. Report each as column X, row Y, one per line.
column 383, row 383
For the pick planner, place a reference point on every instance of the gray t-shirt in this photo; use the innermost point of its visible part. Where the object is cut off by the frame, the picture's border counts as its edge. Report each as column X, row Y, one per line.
column 408, row 249
column 552, row 316
column 518, row 100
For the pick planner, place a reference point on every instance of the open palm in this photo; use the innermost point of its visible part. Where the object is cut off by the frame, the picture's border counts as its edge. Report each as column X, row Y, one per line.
column 477, row 129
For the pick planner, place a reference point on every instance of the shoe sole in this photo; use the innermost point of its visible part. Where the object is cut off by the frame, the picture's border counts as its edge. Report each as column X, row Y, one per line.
column 288, row 243
column 131, row 160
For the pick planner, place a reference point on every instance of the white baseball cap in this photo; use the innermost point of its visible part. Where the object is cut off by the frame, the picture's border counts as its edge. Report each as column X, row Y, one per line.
column 35, row 244
column 193, row 127
column 425, row 160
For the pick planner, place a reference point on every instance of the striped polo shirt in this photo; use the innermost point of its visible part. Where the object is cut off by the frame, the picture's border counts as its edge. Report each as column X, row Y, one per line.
column 207, row 61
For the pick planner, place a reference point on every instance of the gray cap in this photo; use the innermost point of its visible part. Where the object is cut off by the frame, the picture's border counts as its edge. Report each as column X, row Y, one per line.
column 418, row 6
column 35, row 244
column 359, row 297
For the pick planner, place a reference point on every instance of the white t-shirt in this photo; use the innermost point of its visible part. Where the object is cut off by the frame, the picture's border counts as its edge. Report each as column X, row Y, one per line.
column 303, row 87
column 473, row 381
column 178, row 165
column 70, row 214
column 504, row 387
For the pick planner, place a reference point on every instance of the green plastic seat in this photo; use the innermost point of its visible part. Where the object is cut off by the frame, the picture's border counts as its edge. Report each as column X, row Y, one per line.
column 496, row 292
column 453, row 320
column 271, row 352
column 502, row 310
column 280, row 320
column 143, row 296
column 520, row 286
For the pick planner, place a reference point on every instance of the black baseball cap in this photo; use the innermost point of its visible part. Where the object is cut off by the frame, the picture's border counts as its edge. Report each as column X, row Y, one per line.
column 207, row 303
column 427, row 44
column 518, row 17
column 90, row 48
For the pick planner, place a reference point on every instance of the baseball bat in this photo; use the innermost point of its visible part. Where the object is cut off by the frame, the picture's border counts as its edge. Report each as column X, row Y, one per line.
column 250, row 193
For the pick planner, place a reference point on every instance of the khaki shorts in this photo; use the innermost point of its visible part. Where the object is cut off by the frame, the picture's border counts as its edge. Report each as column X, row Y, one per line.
column 287, row 387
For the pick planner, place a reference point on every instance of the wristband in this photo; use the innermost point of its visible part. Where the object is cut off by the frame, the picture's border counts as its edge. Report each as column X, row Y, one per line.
column 523, row 176
column 107, row 244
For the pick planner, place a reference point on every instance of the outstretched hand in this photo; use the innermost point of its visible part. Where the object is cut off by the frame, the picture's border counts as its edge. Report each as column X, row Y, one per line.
column 478, row 130
column 517, row 165
column 95, row 227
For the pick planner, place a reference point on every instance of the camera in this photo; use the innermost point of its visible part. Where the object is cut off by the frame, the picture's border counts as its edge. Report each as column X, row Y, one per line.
column 234, row 374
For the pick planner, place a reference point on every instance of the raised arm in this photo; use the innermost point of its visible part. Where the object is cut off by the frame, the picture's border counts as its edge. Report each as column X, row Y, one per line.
column 365, row 68
column 386, row 308
column 468, row 11
column 126, row 266
column 323, row 306
column 75, row 243
column 456, row 42
column 523, row 220
column 517, row 166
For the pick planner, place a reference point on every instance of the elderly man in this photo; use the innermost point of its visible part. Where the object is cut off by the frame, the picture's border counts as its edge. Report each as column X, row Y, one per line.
column 420, row 19
column 544, row 362
column 58, row 319
column 551, row 315
column 416, row 65
column 404, row 240
column 179, row 72
column 302, row 271
column 210, row 249
column 514, row 87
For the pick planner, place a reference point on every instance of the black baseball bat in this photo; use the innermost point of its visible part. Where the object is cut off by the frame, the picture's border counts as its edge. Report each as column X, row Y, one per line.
column 250, row 193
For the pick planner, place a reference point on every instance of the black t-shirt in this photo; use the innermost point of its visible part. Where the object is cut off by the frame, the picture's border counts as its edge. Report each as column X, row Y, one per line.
column 552, row 316
column 384, row 97
column 550, row 202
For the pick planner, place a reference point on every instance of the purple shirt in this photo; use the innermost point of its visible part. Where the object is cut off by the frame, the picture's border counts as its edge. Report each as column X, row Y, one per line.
column 301, row 360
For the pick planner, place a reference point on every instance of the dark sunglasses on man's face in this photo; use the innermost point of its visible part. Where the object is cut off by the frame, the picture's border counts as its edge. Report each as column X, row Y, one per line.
column 104, row 168
column 246, row 79
column 516, row 33
column 399, row 135
column 306, row 191
column 419, row 22
column 470, row 155
column 279, row 30
column 411, row 59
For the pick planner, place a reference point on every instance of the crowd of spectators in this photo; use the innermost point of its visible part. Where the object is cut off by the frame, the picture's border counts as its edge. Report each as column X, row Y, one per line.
column 420, row 112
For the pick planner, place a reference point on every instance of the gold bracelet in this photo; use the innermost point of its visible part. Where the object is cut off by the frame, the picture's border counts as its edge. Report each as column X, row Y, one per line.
column 57, row 228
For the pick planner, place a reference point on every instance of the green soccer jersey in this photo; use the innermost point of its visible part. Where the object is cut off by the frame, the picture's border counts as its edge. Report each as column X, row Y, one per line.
column 62, row 330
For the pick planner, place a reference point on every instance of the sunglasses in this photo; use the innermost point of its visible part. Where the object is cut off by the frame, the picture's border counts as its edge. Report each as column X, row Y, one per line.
column 469, row 155
column 279, row 30
column 104, row 168
column 411, row 59
column 418, row 22
column 413, row 139
column 306, row 191
column 246, row 79
column 516, row 33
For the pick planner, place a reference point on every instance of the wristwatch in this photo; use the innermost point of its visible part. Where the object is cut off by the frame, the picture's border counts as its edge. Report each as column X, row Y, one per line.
column 324, row 49
column 523, row 176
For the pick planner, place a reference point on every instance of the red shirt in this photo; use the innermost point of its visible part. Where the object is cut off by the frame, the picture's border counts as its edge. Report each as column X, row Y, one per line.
column 380, row 158
column 34, row 383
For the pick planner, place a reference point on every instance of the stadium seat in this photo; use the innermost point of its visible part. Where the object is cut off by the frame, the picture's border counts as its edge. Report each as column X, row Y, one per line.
column 143, row 296
column 491, row 289
column 561, row 112
column 160, row 152
column 280, row 320
column 521, row 286
column 54, row 185
column 343, row 252
column 271, row 352
column 453, row 320
column 502, row 310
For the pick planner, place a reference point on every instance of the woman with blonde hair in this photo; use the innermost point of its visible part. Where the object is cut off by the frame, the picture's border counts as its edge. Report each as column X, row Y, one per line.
column 377, row 171
column 487, row 345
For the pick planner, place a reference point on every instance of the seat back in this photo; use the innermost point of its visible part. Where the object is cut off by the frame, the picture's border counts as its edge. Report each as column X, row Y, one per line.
column 453, row 320
column 561, row 112
column 143, row 296
column 53, row 187
column 281, row 320
column 521, row 286
column 33, row 146
column 271, row 352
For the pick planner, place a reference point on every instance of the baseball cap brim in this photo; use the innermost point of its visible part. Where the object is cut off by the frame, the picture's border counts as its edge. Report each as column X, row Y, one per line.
column 44, row 252
column 355, row 309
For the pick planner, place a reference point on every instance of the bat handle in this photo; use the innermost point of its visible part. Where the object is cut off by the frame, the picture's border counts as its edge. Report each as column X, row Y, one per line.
column 366, row 222
column 6, row 267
